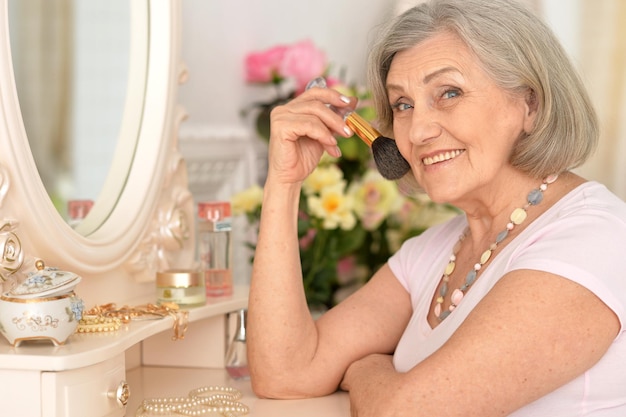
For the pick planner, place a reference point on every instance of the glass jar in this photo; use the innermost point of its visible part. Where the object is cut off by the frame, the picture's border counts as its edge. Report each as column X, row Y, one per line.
column 183, row 287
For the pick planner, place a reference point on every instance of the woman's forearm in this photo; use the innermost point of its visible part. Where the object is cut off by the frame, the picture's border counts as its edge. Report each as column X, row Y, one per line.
column 372, row 383
column 281, row 334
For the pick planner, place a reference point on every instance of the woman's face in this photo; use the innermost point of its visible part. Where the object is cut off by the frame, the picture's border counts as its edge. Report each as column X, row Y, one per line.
column 453, row 124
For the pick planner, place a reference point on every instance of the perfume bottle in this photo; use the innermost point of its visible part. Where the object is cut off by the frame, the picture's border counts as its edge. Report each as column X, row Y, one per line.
column 236, row 355
column 215, row 247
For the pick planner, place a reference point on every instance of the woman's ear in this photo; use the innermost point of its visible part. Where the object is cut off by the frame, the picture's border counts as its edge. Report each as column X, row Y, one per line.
column 532, row 110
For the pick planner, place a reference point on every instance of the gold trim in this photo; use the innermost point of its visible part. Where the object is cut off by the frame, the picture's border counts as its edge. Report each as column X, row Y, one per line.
column 19, row 340
column 36, row 300
column 179, row 278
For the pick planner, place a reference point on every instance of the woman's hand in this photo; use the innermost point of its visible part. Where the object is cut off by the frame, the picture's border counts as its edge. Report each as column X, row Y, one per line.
column 302, row 130
column 371, row 383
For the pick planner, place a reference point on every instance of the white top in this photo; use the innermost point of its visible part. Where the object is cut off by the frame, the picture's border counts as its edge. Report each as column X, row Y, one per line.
column 583, row 238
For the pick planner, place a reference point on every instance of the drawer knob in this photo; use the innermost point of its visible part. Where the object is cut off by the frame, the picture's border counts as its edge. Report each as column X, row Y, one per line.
column 121, row 394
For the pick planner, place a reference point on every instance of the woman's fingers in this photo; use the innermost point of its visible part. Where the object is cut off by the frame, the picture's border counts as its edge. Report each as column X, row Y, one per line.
column 327, row 105
column 304, row 128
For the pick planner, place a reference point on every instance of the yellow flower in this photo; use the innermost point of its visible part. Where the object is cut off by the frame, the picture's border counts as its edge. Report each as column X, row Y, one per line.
column 333, row 206
column 374, row 199
column 247, row 201
column 323, row 176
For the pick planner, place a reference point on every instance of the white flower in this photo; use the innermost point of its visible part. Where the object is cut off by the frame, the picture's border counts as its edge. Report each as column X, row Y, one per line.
column 333, row 206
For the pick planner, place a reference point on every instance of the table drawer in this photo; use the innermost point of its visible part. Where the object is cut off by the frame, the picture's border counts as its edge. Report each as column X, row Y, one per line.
column 94, row 391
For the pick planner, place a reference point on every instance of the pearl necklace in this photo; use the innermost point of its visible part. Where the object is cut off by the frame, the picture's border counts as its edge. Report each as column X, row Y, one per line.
column 516, row 218
column 221, row 401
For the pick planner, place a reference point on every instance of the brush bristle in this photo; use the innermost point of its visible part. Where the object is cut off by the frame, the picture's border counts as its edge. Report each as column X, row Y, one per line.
column 389, row 161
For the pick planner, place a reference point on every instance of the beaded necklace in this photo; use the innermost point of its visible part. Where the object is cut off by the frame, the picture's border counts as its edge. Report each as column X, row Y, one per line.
column 516, row 218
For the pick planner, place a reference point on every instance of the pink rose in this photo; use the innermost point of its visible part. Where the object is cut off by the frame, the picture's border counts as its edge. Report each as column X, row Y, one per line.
column 264, row 67
column 303, row 61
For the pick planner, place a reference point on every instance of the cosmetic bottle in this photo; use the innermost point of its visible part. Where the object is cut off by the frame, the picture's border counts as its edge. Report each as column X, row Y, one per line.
column 236, row 356
column 215, row 247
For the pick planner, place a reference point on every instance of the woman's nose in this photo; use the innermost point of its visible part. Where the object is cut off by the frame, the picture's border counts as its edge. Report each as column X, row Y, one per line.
column 424, row 126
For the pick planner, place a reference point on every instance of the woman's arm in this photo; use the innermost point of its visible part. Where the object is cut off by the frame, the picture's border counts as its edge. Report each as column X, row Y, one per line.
column 289, row 354
column 533, row 333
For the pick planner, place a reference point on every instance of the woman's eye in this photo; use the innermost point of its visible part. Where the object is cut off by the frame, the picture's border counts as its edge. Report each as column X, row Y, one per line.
column 451, row 93
column 401, row 106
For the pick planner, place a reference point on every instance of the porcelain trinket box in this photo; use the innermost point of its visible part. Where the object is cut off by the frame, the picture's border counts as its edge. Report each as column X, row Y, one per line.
column 43, row 306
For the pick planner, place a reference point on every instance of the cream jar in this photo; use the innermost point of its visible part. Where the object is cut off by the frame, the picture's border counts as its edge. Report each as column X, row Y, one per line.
column 181, row 286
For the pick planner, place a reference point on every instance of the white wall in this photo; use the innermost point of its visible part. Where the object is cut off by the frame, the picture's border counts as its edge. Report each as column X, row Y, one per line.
column 217, row 34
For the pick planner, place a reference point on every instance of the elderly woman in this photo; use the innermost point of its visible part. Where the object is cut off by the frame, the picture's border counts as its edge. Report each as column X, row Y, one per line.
column 517, row 306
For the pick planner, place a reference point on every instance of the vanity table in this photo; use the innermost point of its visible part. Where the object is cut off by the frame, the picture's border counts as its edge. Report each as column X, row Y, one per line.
column 107, row 373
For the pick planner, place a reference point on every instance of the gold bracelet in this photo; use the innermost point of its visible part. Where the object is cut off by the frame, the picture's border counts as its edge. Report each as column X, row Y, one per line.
column 99, row 315
column 97, row 324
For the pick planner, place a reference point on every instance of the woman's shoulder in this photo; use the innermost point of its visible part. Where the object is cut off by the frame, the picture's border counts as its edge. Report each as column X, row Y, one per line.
column 589, row 214
column 592, row 196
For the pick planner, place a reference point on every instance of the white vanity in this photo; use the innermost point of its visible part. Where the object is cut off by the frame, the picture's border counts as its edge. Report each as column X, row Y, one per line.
column 89, row 375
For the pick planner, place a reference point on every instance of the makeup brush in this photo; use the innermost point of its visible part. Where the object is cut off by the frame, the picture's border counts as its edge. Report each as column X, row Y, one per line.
column 390, row 163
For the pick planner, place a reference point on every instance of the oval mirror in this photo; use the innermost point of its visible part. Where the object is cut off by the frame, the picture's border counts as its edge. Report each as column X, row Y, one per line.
column 144, row 222
column 81, row 93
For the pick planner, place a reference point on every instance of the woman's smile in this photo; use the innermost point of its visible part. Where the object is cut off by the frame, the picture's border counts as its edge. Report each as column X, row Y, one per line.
column 441, row 157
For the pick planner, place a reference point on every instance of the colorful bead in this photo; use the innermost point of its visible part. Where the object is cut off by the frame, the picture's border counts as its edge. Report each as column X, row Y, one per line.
column 551, row 178
column 450, row 268
column 457, row 296
column 470, row 277
column 485, row 256
column 518, row 216
column 443, row 290
column 535, row 197
column 502, row 235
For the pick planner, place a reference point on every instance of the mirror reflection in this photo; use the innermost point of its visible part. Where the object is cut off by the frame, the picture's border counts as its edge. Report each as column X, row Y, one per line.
column 72, row 64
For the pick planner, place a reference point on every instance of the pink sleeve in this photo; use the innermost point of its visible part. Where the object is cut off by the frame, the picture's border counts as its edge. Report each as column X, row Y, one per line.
column 589, row 249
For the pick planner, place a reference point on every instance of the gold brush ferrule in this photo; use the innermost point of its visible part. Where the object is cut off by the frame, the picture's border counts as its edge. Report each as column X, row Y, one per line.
column 362, row 128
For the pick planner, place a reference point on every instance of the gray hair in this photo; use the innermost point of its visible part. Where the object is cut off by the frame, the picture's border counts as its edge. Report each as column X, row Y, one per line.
column 519, row 52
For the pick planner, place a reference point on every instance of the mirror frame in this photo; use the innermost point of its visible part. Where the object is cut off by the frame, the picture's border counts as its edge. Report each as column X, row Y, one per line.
column 150, row 228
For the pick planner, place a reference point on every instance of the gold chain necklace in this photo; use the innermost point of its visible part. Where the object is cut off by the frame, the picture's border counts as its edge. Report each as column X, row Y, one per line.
column 516, row 218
